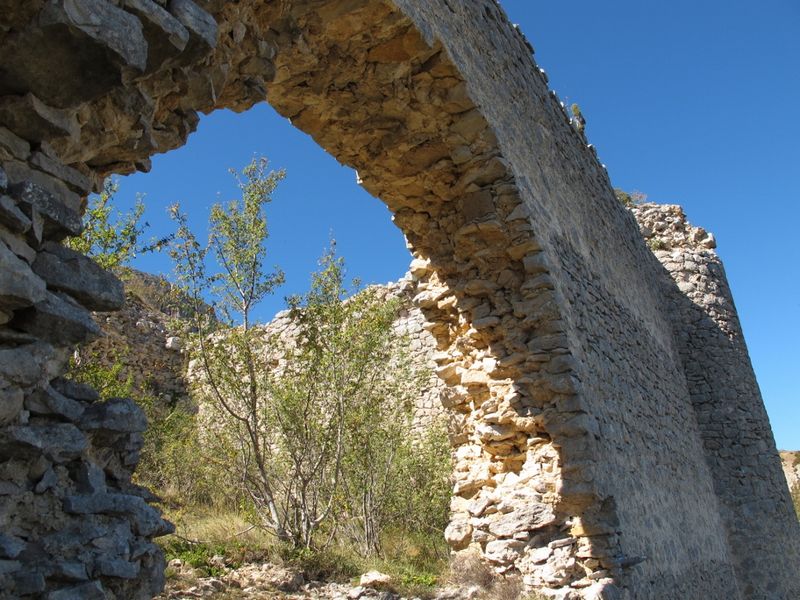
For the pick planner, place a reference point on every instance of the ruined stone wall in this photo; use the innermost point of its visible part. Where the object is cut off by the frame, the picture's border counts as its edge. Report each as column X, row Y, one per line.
column 576, row 370
column 791, row 467
column 734, row 428
column 140, row 343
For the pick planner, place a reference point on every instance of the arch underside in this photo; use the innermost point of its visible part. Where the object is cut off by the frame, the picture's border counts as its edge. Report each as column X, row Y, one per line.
column 581, row 462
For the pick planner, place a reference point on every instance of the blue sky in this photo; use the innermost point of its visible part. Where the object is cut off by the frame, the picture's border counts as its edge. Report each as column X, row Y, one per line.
column 695, row 103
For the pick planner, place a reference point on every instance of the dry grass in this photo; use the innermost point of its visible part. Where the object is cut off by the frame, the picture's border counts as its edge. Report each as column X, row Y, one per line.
column 467, row 569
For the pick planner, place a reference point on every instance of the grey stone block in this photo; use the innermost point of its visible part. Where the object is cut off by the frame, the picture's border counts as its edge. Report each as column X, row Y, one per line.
column 57, row 318
column 32, row 119
column 145, row 519
column 75, row 179
column 109, row 567
column 201, row 26
column 13, row 146
column 28, row 582
column 79, row 276
column 92, row 590
column 75, row 390
column 19, row 285
column 58, row 442
column 60, row 219
column 166, row 36
column 10, row 546
column 75, row 52
column 48, row 401
column 118, row 415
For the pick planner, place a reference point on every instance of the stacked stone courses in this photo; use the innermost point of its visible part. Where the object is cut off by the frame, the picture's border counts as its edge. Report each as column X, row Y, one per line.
column 613, row 442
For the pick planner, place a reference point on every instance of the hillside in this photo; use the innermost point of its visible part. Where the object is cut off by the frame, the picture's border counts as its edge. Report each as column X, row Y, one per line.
column 791, row 466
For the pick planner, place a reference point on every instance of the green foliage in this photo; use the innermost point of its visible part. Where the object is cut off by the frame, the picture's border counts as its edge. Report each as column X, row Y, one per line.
column 112, row 238
column 656, row 244
column 314, row 426
column 796, row 499
column 109, row 380
column 630, row 199
column 169, row 455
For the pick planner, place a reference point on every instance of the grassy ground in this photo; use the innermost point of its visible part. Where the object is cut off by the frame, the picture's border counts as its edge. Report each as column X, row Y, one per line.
column 209, row 541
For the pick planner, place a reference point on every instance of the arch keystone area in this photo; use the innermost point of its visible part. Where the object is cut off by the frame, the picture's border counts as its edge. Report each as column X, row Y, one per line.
column 613, row 441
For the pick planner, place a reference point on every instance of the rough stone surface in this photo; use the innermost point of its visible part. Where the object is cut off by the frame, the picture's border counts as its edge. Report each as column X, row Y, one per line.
column 71, row 272
column 612, row 441
column 791, row 468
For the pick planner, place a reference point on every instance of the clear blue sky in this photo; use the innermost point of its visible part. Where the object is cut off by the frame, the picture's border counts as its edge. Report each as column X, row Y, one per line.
column 695, row 103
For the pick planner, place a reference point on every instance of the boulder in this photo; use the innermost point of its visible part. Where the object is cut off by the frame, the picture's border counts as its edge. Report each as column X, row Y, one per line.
column 376, row 580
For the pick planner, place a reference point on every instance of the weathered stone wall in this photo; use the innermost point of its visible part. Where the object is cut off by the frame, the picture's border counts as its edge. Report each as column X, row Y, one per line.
column 733, row 424
column 588, row 390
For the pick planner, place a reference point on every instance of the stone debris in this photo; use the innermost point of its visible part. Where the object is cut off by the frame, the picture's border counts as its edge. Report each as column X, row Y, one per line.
column 272, row 582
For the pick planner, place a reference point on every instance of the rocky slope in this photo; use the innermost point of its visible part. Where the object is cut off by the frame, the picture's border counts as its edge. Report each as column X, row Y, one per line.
column 791, row 467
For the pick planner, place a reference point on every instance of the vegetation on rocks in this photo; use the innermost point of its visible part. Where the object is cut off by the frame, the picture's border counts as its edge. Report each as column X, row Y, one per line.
column 112, row 237
column 308, row 428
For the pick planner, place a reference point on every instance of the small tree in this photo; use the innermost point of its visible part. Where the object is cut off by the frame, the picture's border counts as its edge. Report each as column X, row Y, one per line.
column 111, row 237
column 314, row 420
column 630, row 199
column 230, row 374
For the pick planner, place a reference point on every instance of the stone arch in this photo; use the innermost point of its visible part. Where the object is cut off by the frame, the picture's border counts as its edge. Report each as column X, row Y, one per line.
column 564, row 365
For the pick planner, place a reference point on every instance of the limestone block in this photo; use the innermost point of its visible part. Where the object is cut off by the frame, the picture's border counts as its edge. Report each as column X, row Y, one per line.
column 11, row 399
column 72, row 177
column 48, row 401
column 60, row 220
column 12, row 146
column 71, row 272
column 201, row 26
column 32, row 119
column 376, row 580
column 504, row 551
column 458, row 534
column 115, row 415
column 58, row 442
column 166, row 36
column 524, row 517
column 19, row 285
column 57, row 318
column 74, row 53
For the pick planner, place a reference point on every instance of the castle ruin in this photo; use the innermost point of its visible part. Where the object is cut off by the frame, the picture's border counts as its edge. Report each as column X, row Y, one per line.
column 614, row 441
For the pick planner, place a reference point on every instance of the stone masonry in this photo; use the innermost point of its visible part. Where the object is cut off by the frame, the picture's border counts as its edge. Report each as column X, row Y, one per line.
column 615, row 435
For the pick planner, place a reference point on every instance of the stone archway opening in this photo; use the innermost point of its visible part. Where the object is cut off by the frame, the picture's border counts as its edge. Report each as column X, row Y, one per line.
column 565, row 368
